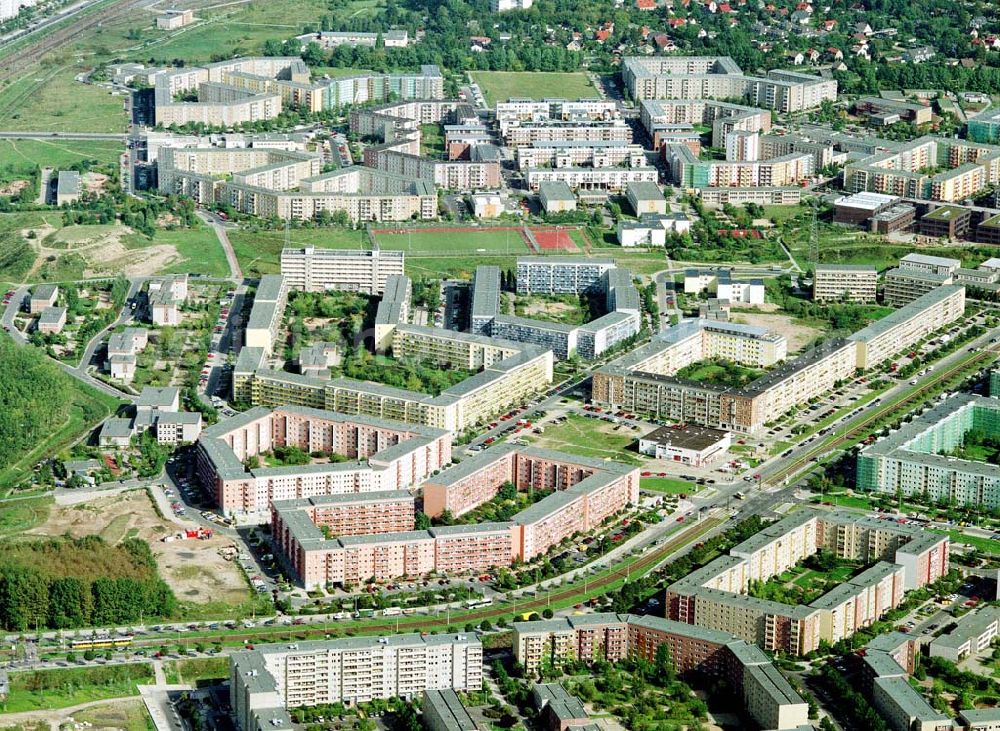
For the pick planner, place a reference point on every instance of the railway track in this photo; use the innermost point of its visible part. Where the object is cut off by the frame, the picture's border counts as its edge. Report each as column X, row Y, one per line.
column 21, row 58
column 859, row 429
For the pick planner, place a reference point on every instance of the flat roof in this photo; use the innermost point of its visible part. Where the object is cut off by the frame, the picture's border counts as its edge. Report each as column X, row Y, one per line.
column 51, row 315
column 866, row 201
column 449, row 709
column 863, row 268
column 968, row 628
column 556, row 190
column 686, row 436
column 644, row 191
column 269, row 288
column 944, row 213
column 909, row 701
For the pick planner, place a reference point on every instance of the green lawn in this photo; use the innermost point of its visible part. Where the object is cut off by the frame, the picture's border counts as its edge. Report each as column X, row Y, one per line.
column 669, row 485
column 458, row 242
column 56, row 153
column 200, row 248
column 195, row 669
column 502, row 85
column 40, row 690
column 259, row 252
column 590, row 438
column 19, row 515
column 432, row 141
column 50, row 99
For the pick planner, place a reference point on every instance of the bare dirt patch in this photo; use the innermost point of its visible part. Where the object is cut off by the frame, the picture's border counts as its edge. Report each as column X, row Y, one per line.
column 14, row 187
column 95, row 183
column 192, row 568
column 798, row 336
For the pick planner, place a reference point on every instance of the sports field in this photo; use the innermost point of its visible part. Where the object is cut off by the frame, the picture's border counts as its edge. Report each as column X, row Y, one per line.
column 502, row 85
column 453, row 241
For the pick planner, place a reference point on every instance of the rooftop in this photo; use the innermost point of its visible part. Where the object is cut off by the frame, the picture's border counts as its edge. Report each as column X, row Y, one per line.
column 686, row 436
column 944, row 213
column 906, row 313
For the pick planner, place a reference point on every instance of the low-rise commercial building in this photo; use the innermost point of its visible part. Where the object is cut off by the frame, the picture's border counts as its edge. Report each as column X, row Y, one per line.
column 859, row 208
column 946, row 222
column 174, row 19
column 165, row 296
column 690, row 445
column 556, row 196
column 972, row 635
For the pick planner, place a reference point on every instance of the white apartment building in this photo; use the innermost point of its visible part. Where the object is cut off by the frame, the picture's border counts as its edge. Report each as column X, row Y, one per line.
column 852, row 282
column 265, row 315
column 269, row 679
column 315, row 270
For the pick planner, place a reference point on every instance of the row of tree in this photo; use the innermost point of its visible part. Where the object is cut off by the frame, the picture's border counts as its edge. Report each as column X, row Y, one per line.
column 40, row 588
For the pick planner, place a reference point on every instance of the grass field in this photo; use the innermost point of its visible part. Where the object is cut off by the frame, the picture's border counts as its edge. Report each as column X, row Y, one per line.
column 19, row 515
column 47, row 689
column 459, row 242
column 259, row 252
column 590, row 438
column 41, row 101
column 56, row 153
column 200, row 248
column 195, row 669
column 668, row 485
column 122, row 715
column 502, row 85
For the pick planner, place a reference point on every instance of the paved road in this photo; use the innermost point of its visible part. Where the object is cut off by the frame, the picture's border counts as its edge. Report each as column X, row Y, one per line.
column 235, row 273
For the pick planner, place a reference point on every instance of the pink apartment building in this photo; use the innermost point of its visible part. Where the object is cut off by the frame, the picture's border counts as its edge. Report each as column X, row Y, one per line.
column 388, row 549
column 383, row 455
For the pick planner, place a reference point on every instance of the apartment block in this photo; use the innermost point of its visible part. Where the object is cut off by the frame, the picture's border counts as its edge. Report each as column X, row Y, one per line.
column 689, row 171
column 269, row 679
column 122, row 350
column 718, row 77
column 664, row 118
column 845, row 282
column 51, row 320
column 265, row 315
column 766, row 695
column 165, row 296
column 393, row 309
column 905, row 170
column 316, row 270
column 384, row 456
column 985, row 126
column 378, row 540
column 485, row 299
column 580, row 154
column 591, row 179
column 476, row 480
column 716, row 596
column 559, row 274
column 909, row 324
